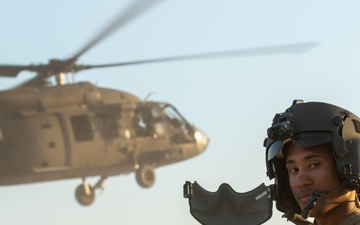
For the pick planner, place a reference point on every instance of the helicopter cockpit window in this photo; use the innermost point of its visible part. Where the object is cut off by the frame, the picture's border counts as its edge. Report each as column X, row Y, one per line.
column 181, row 131
column 82, row 128
column 174, row 117
column 158, row 124
column 143, row 120
column 155, row 113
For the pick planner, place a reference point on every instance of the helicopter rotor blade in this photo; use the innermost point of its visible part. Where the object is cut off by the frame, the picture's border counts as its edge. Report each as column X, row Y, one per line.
column 57, row 66
column 12, row 70
column 133, row 11
column 295, row 48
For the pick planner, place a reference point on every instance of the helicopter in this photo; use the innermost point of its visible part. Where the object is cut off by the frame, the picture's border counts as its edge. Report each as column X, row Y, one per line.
column 78, row 130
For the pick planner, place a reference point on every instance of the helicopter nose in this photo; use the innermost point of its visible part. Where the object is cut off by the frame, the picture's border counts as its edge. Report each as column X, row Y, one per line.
column 202, row 140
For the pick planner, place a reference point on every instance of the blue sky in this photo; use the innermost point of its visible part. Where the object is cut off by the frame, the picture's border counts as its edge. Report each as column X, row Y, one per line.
column 233, row 99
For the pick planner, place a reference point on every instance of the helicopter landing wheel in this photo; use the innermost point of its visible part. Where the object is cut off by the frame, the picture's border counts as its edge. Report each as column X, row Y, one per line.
column 85, row 194
column 145, row 176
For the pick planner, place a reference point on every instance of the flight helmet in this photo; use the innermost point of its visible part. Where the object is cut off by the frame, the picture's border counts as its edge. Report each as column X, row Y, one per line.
column 307, row 124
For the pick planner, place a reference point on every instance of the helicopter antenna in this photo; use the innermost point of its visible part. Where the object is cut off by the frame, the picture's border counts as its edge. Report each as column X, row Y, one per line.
column 72, row 77
column 148, row 96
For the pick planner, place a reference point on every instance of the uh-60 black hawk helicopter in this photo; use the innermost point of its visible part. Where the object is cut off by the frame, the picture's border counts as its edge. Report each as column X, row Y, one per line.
column 77, row 130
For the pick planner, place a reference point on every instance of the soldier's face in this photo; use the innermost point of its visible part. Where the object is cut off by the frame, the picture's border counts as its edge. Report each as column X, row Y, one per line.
column 311, row 170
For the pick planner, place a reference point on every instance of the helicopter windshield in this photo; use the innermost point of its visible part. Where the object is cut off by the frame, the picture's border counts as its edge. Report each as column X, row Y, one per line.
column 174, row 116
column 172, row 113
column 182, row 131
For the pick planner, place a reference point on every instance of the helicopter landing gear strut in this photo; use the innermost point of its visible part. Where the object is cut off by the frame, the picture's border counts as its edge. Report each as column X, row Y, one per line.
column 85, row 194
column 145, row 174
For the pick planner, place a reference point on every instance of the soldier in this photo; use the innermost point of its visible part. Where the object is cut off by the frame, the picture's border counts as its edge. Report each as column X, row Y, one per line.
column 313, row 152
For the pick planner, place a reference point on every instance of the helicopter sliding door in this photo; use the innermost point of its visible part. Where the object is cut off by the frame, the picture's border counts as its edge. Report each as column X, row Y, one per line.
column 95, row 137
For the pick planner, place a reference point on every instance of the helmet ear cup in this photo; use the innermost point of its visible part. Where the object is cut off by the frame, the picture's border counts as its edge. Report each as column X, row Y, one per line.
column 348, row 159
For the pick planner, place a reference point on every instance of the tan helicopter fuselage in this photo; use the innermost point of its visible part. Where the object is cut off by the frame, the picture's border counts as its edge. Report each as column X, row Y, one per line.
column 79, row 130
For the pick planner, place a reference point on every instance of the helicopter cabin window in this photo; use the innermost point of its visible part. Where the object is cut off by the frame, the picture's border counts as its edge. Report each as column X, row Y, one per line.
column 82, row 128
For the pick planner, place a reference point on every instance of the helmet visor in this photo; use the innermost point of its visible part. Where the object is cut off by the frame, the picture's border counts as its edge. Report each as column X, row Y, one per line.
column 274, row 149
